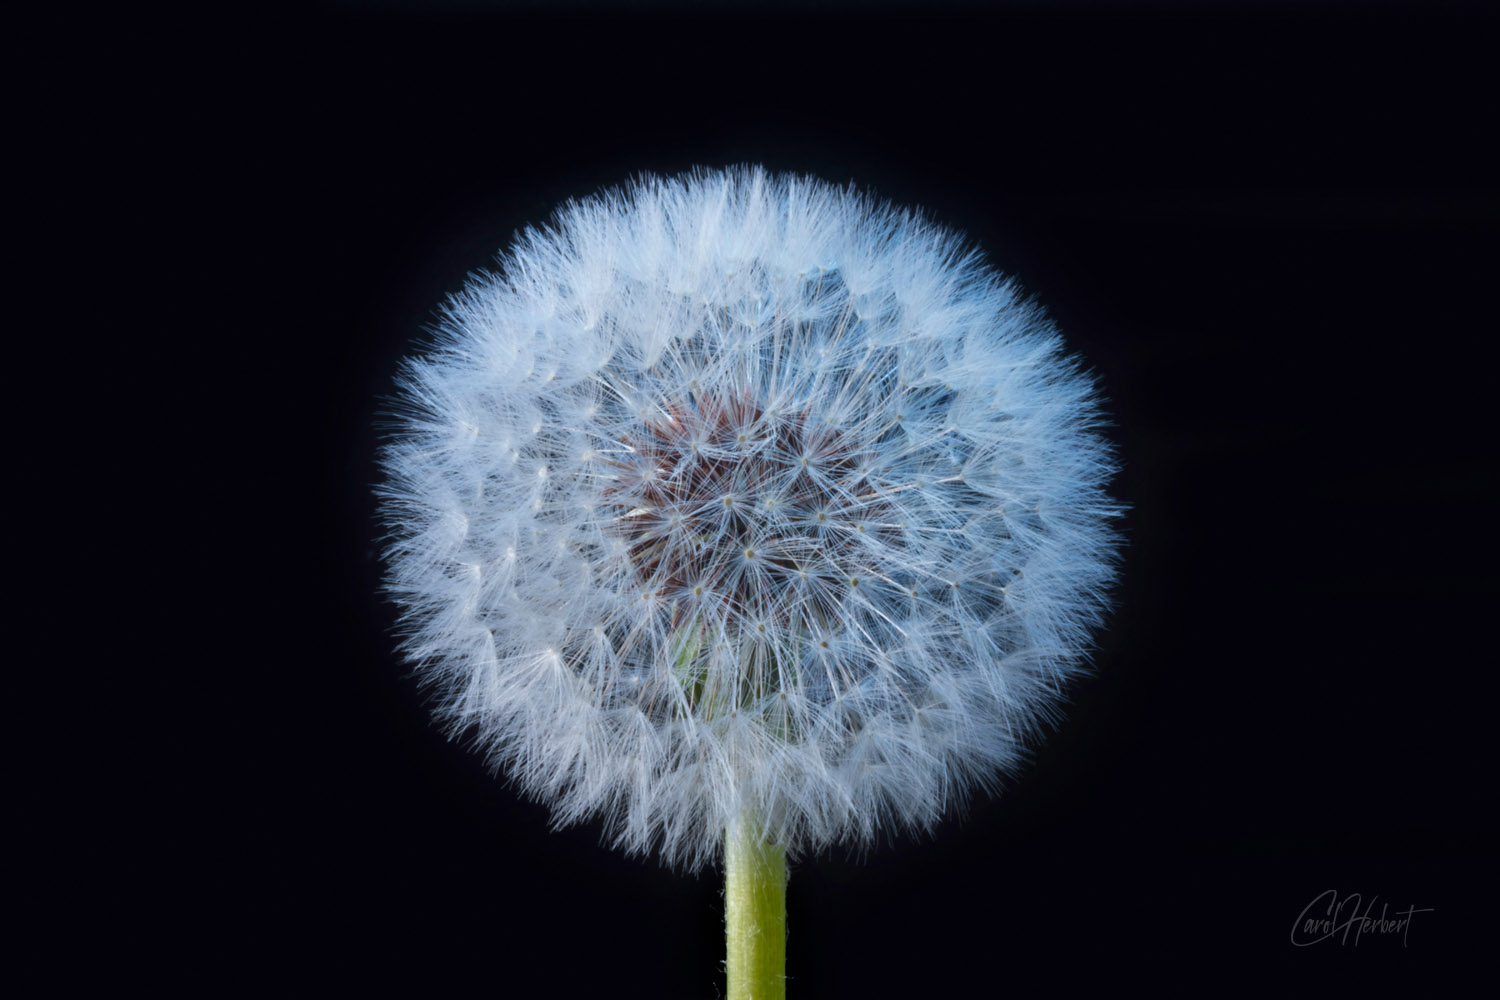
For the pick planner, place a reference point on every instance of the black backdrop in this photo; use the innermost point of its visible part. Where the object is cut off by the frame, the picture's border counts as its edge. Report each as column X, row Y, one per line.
column 1262, row 226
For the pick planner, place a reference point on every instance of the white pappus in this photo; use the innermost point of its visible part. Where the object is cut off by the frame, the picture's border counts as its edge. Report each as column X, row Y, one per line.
column 741, row 493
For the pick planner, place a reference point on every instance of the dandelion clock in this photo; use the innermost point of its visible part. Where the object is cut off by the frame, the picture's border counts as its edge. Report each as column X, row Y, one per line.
column 748, row 515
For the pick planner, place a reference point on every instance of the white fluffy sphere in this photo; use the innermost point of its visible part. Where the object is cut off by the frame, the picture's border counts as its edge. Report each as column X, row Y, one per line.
column 742, row 492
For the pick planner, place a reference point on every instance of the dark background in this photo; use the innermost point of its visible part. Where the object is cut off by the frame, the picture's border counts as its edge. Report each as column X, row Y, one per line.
column 1265, row 227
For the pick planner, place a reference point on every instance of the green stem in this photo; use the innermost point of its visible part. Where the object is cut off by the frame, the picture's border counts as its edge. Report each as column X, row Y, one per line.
column 754, row 913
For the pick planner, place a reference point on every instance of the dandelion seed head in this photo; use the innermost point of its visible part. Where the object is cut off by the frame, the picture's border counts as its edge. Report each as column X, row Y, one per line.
column 739, row 491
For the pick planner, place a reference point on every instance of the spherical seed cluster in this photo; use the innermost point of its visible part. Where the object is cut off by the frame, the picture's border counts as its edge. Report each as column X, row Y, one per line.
column 741, row 492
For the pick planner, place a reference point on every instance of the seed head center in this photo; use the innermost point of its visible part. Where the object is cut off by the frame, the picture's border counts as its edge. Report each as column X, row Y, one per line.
column 676, row 498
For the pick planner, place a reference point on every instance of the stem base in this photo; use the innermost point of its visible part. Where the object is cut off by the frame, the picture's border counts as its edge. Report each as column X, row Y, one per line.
column 755, row 878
